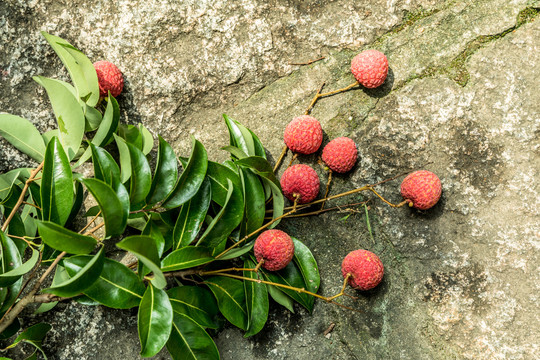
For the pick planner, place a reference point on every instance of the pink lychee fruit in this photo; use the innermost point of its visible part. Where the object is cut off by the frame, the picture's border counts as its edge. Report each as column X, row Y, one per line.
column 300, row 182
column 422, row 189
column 303, row 135
column 276, row 248
column 370, row 68
column 340, row 154
column 109, row 78
column 365, row 268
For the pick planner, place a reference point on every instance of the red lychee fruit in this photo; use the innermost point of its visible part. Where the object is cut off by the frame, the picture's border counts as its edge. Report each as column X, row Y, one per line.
column 110, row 78
column 365, row 267
column 370, row 68
column 422, row 189
column 340, row 154
column 303, row 135
column 300, row 181
column 276, row 248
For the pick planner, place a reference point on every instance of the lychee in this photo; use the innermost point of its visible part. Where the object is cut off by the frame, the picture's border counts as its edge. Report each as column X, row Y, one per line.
column 422, row 189
column 276, row 248
column 340, row 154
column 303, row 135
column 370, row 68
column 300, row 182
column 109, row 77
column 365, row 268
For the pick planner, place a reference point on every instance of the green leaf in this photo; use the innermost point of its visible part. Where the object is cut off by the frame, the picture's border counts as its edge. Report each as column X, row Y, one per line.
column 144, row 248
column 165, row 174
column 219, row 176
column 189, row 341
column 34, row 335
column 23, row 135
column 154, row 321
column 281, row 298
column 236, row 152
column 112, row 209
column 69, row 114
column 117, row 286
column 191, row 179
column 256, row 300
column 125, row 160
column 259, row 148
column 80, row 68
column 62, row 239
column 77, row 202
column 106, row 130
column 196, row 303
column 306, row 263
column 259, row 166
column 185, row 258
column 147, row 140
column 10, row 251
column 238, row 251
column 225, row 221
column 12, row 329
column 231, row 299
column 56, row 184
column 92, row 116
column 11, row 261
column 240, row 136
column 191, row 217
column 131, row 135
column 255, row 206
column 278, row 202
column 141, row 178
column 291, row 276
column 82, row 280
column 105, row 168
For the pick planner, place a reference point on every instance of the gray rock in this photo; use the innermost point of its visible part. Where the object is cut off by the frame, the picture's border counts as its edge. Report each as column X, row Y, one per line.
column 461, row 100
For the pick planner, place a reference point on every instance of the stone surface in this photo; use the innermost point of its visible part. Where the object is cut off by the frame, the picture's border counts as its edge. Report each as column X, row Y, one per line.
column 461, row 280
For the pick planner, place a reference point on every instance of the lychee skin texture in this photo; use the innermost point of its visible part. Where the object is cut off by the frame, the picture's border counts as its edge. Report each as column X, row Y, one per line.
column 300, row 181
column 370, row 68
column 303, row 135
column 276, row 248
column 365, row 267
column 340, row 154
column 109, row 78
column 422, row 189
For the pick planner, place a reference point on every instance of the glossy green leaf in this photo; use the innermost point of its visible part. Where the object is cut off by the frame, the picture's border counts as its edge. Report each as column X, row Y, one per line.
column 236, row 152
column 60, row 276
column 105, row 132
column 9, row 294
column 165, row 174
column 77, row 202
column 7, row 181
column 259, row 166
column 125, row 160
column 23, row 135
column 240, row 136
column 144, row 248
column 117, row 286
column 191, row 179
column 141, row 178
column 10, row 252
column 255, row 204
column 82, row 280
column 16, row 228
column 278, row 202
column 105, row 168
column 257, row 304
column 69, row 114
column 131, row 134
column 56, row 184
column 92, row 116
column 306, row 263
column 62, row 239
column 154, row 321
column 238, row 251
column 231, row 299
column 152, row 230
column 196, row 303
column 112, row 209
column 147, row 140
column 11, row 330
column 281, row 298
column 80, row 68
column 259, row 148
column 191, row 217
column 34, row 335
column 189, row 341
column 291, row 276
column 185, row 258
column 219, row 175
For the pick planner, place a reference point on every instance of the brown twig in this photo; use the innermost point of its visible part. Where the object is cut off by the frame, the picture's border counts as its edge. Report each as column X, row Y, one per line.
column 90, row 223
column 330, row 93
column 329, row 329
column 307, row 62
column 281, row 156
column 327, row 187
column 312, row 104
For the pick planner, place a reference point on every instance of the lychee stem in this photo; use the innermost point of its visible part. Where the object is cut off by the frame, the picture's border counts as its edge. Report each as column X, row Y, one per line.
column 281, row 156
column 300, row 290
column 317, row 212
column 292, row 160
column 319, row 95
column 259, row 265
column 342, row 288
column 307, row 62
column 327, row 186
column 258, row 230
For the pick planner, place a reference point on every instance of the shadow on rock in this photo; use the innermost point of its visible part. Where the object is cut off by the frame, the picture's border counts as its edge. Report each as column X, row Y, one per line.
column 384, row 89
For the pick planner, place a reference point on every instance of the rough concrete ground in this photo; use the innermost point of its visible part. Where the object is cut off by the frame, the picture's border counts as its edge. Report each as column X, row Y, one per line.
column 461, row 100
